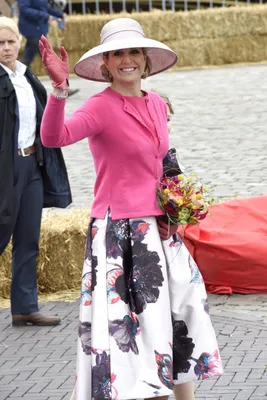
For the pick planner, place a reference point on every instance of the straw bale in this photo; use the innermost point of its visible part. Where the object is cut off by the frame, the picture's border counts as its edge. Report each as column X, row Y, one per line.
column 194, row 35
column 221, row 51
column 62, row 250
column 5, row 272
column 60, row 259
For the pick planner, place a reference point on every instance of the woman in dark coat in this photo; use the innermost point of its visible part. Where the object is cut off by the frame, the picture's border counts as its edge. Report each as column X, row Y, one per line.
column 31, row 177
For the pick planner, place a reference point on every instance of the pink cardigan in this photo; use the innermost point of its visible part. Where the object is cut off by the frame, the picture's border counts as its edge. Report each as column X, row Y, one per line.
column 128, row 161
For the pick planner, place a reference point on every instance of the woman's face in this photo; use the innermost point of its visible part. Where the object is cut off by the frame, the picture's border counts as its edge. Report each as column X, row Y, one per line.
column 126, row 65
column 9, row 48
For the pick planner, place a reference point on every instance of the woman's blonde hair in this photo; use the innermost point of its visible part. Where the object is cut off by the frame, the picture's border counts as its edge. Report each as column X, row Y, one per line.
column 8, row 23
column 106, row 74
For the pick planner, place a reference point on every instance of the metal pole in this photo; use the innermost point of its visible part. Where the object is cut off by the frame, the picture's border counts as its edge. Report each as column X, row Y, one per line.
column 211, row 3
column 137, row 5
column 173, row 5
column 163, row 5
column 70, row 7
column 198, row 4
column 97, row 9
column 14, row 10
column 110, row 7
column 185, row 5
column 124, row 5
column 83, row 7
column 150, row 4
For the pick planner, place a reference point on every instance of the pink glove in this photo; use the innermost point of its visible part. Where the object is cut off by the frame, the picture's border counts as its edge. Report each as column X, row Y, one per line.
column 166, row 230
column 57, row 68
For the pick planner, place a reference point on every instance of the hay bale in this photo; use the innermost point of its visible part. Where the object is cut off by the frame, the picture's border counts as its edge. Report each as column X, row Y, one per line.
column 60, row 260
column 200, row 37
column 5, row 272
column 221, row 51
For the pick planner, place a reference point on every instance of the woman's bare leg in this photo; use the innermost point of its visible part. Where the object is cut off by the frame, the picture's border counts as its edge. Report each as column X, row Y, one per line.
column 185, row 391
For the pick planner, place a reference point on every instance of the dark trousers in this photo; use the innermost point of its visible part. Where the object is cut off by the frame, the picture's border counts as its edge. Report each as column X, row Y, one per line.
column 27, row 212
column 31, row 50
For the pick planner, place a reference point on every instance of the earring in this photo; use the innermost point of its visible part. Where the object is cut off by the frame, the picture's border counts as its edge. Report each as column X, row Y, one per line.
column 144, row 75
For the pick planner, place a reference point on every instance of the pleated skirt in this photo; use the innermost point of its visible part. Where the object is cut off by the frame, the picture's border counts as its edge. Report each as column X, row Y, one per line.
column 144, row 323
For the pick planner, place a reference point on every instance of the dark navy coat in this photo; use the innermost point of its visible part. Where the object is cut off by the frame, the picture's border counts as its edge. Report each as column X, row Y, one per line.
column 33, row 17
column 55, row 179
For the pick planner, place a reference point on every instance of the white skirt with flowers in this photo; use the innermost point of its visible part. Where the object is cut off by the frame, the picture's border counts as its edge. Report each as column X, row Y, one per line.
column 144, row 324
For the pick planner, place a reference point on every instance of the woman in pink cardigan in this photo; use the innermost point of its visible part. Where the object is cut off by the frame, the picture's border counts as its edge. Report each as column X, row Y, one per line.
column 144, row 328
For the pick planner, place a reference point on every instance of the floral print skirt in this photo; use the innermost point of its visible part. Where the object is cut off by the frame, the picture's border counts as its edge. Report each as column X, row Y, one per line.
column 144, row 324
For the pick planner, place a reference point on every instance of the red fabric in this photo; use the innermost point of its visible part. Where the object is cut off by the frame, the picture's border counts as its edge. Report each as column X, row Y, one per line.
column 230, row 246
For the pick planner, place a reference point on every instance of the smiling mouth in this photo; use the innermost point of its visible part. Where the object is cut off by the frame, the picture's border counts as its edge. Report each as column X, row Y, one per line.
column 132, row 69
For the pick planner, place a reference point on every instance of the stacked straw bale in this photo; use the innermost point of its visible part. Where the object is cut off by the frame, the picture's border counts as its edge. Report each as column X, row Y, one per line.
column 60, row 260
column 204, row 37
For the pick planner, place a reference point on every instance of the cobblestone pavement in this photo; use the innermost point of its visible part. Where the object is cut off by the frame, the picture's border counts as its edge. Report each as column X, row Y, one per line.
column 219, row 128
column 39, row 362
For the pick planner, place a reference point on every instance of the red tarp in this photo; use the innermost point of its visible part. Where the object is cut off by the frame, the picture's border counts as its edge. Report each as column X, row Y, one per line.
column 230, row 246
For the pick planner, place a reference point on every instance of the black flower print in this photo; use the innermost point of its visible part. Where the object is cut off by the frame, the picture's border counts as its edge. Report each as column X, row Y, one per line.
column 92, row 231
column 145, row 278
column 182, row 348
column 139, row 229
column 102, row 378
column 89, row 282
column 117, row 237
column 124, row 332
column 164, row 362
column 112, row 275
column 90, row 268
column 84, row 333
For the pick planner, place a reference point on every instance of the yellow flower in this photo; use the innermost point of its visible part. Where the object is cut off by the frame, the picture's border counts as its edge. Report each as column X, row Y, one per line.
column 179, row 202
column 166, row 191
column 199, row 196
column 180, row 177
column 189, row 179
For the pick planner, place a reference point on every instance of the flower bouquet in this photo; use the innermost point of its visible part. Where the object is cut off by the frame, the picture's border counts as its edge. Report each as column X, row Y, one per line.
column 183, row 199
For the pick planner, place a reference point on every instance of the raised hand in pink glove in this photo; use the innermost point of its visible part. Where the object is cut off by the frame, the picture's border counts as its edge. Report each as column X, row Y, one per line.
column 57, row 67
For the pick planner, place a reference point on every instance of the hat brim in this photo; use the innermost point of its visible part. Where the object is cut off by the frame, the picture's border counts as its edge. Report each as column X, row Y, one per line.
column 161, row 56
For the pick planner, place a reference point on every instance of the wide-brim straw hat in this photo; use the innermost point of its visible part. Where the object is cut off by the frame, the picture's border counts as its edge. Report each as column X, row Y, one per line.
column 123, row 33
